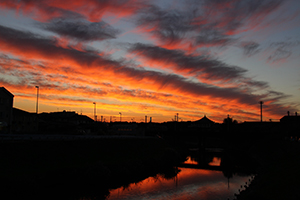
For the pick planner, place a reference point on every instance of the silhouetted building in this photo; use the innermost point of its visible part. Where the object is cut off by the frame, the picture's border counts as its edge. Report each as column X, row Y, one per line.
column 64, row 123
column 6, row 105
column 291, row 119
column 66, row 117
column 291, row 125
column 24, row 122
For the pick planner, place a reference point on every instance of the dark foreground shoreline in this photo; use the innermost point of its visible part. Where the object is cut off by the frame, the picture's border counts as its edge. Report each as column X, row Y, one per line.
column 278, row 176
column 81, row 169
column 87, row 169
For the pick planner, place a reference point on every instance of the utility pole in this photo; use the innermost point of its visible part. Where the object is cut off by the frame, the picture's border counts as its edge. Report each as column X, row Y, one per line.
column 95, row 116
column 37, row 99
column 261, row 117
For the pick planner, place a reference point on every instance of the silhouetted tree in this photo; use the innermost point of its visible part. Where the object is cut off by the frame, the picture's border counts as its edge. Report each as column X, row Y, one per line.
column 229, row 121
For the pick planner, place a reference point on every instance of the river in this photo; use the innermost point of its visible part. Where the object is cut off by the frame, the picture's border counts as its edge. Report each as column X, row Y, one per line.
column 189, row 183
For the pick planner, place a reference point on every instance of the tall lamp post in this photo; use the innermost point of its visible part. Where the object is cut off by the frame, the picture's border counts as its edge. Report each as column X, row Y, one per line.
column 37, row 99
column 95, row 116
column 120, row 116
column 261, row 117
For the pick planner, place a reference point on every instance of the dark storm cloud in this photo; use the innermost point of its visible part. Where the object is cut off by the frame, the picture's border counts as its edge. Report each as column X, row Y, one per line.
column 211, row 69
column 81, row 30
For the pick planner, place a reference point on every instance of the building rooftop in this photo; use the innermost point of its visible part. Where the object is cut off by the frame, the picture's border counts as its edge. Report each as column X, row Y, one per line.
column 3, row 89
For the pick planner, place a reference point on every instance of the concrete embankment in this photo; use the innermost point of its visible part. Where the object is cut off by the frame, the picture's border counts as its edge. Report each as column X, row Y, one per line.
column 279, row 175
column 72, row 165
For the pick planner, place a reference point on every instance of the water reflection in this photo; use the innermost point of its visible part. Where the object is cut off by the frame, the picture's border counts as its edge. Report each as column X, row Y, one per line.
column 191, row 161
column 216, row 161
column 187, row 184
column 204, row 176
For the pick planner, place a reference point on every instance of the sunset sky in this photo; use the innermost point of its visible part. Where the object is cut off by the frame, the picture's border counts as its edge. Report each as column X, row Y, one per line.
column 154, row 58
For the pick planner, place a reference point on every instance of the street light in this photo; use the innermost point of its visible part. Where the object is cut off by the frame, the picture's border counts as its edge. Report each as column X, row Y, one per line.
column 95, row 116
column 37, row 99
column 261, row 117
column 120, row 116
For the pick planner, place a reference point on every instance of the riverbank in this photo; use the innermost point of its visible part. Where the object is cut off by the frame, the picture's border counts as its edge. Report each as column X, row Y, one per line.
column 37, row 168
column 278, row 177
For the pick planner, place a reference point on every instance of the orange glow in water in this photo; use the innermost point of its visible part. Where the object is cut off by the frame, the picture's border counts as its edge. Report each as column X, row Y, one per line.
column 189, row 183
column 215, row 162
column 190, row 161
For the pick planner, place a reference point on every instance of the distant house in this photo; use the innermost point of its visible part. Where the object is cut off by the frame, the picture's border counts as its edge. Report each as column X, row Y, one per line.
column 291, row 125
column 65, row 122
column 24, row 122
column 66, row 117
column 6, row 105
column 290, row 119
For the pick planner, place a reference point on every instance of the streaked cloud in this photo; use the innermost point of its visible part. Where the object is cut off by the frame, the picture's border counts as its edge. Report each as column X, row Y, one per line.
column 93, row 10
column 250, row 48
column 81, row 30
column 205, row 23
column 81, row 52
column 201, row 67
column 281, row 51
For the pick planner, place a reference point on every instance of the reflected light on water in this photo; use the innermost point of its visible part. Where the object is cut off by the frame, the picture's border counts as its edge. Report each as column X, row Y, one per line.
column 215, row 162
column 190, row 161
column 189, row 183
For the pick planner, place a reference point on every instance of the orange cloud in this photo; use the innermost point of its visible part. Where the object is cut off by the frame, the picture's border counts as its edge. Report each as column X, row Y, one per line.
column 74, row 76
column 93, row 10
